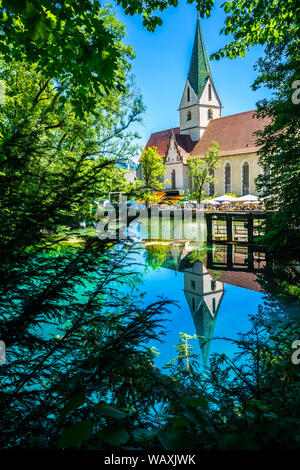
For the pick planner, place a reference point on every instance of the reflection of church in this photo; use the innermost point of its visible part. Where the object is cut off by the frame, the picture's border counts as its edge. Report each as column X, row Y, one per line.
column 204, row 296
column 204, row 286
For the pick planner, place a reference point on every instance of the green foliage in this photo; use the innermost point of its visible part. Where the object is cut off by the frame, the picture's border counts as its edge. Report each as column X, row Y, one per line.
column 280, row 150
column 258, row 22
column 155, row 255
column 78, row 44
column 75, row 434
column 64, row 381
column 249, row 23
column 199, row 254
column 153, row 168
column 53, row 165
column 201, row 170
column 248, row 402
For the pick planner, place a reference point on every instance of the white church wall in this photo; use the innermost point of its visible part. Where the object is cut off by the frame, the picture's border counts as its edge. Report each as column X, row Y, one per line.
column 214, row 101
column 172, row 154
column 199, row 285
column 186, row 178
column 178, row 167
column 194, row 113
column 189, row 124
column 236, row 162
column 206, row 104
column 193, row 97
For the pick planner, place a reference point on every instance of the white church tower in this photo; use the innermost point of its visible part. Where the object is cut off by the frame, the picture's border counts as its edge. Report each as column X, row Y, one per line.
column 200, row 102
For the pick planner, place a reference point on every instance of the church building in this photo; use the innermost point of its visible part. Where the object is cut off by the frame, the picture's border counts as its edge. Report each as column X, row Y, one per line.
column 201, row 122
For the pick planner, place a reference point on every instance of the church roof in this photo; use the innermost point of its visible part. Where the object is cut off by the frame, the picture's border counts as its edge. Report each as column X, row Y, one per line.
column 199, row 69
column 161, row 140
column 233, row 133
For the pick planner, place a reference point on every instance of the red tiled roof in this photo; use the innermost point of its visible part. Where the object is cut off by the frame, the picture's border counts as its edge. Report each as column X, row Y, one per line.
column 185, row 143
column 161, row 140
column 234, row 134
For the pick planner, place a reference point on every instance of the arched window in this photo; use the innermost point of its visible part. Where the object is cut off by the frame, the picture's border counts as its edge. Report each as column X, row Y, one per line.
column 189, row 116
column 173, row 179
column 209, row 92
column 209, row 114
column 227, row 178
column 188, row 94
column 245, row 178
column 211, row 186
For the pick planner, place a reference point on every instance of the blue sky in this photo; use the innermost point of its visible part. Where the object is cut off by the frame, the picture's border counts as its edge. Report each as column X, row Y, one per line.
column 162, row 62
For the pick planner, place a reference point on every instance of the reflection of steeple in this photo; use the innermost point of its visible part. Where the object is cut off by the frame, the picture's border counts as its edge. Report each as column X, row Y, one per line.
column 204, row 296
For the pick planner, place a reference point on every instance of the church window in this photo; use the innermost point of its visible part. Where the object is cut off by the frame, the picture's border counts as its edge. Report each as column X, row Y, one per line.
column 188, row 94
column 209, row 92
column 189, row 116
column 245, row 178
column 213, row 285
column 173, row 179
column 214, row 305
column 193, row 285
column 211, row 186
column 227, row 178
column 209, row 114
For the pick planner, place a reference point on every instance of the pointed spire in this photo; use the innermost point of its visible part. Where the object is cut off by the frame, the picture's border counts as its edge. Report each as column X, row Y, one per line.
column 199, row 69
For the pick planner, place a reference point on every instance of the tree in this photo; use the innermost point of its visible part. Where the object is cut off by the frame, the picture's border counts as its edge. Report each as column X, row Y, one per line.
column 201, row 170
column 279, row 154
column 153, row 169
column 75, row 341
column 53, row 163
column 77, row 43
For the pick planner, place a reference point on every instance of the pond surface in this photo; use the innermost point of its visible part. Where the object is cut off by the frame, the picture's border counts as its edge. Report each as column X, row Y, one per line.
column 214, row 295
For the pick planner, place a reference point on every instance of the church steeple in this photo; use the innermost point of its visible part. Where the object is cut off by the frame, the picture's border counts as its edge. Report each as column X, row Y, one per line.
column 199, row 70
column 200, row 102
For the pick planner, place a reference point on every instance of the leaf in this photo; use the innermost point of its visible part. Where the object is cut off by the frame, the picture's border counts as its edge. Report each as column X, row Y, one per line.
column 236, row 441
column 75, row 434
column 142, row 435
column 114, row 434
column 108, row 410
column 72, row 404
column 178, row 420
column 227, row 7
column 196, row 402
column 176, row 438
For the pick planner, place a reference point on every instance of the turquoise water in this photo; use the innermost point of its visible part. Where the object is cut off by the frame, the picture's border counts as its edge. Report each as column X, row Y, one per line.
column 209, row 303
column 211, row 300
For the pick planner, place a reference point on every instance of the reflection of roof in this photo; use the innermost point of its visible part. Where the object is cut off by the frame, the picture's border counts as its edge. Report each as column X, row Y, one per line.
column 244, row 279
column 234, row 134
column 241, row 279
